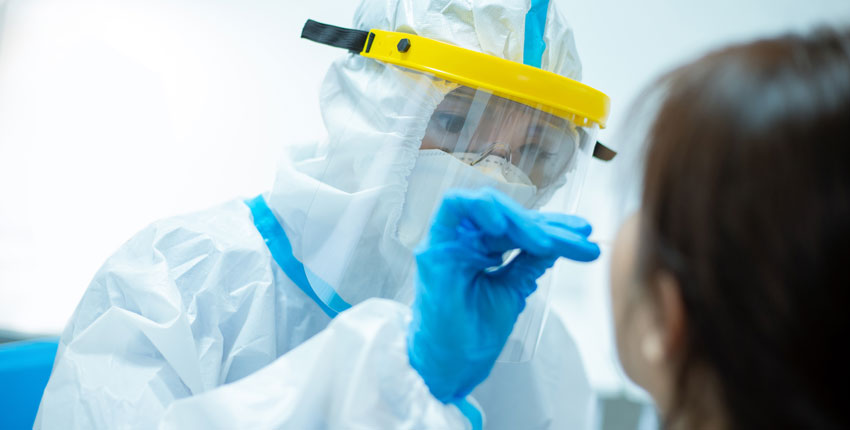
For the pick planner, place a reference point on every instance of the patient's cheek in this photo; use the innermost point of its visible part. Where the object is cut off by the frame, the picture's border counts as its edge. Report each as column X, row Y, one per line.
column 625, row 307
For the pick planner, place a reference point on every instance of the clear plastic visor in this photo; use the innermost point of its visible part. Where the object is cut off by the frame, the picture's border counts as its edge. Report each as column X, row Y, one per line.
column 523, row 144
column 530, row 152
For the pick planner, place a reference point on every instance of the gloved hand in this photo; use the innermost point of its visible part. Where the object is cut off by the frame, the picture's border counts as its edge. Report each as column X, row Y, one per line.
column 463, row 313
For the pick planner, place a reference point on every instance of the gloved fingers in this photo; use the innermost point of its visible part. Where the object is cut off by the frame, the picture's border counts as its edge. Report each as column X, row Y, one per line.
column 524, row 230
column 524, row 270
column 439, row 255
column 464, row 211
column 572, row 245
column 498, row 245
column 499, row 224
column 567, row 235
column 572, row 222
column 564, row 243
column 490, row 217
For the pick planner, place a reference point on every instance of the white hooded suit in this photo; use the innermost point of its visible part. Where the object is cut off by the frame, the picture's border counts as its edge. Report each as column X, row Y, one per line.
column 194, row 324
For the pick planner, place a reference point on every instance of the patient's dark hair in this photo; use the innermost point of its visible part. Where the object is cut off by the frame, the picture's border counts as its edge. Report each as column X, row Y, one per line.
column 747, row 204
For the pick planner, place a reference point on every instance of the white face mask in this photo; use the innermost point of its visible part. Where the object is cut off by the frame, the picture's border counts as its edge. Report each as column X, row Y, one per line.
column 495, row 167
column 436, row 172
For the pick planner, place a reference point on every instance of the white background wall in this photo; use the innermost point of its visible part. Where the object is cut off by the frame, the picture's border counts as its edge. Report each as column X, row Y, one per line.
column 116, row 113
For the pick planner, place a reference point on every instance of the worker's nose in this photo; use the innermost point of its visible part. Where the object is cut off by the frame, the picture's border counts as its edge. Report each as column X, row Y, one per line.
column 498, row 149
column 500, row 135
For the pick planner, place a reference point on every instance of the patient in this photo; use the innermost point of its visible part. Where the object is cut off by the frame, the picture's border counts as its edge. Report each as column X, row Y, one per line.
column 730, row 286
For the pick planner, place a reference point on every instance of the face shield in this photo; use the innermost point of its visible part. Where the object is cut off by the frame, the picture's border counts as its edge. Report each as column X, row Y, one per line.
column 409, row 118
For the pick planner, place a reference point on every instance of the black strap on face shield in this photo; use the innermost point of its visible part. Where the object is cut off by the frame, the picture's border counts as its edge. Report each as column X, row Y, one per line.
column 338, row 37
column 603, row 152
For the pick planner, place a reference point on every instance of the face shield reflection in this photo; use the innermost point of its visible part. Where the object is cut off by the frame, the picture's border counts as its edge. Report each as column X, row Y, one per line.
column 527, row 145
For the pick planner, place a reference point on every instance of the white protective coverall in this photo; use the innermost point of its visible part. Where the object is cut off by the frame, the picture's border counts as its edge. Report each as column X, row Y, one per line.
column 193, row 324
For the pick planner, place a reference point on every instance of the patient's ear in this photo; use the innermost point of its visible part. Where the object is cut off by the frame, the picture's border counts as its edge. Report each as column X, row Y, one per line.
column 671, row 314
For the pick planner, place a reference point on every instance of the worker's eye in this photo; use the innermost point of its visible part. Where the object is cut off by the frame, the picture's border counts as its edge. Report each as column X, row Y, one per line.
column 451, row 123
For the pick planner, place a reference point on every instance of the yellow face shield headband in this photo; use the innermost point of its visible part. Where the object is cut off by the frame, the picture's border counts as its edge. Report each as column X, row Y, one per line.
column 578, row 103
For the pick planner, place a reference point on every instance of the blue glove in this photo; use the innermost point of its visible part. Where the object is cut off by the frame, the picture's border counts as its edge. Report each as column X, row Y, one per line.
column 463, row 313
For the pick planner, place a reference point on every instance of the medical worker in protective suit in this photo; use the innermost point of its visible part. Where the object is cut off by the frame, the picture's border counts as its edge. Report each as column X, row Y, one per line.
column 235, row 317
